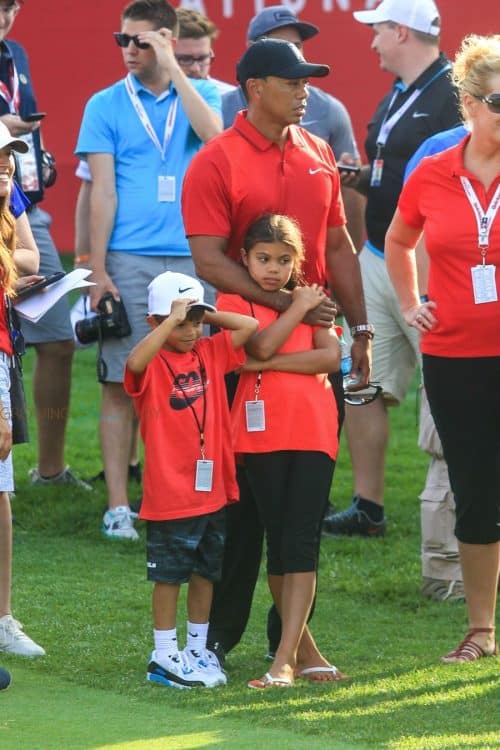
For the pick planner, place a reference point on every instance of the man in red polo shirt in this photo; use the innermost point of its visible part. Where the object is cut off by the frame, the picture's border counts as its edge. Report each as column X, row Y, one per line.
column 266, row 163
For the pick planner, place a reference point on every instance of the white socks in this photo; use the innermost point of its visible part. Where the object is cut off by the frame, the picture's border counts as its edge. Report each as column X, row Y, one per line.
column 196, row 636
column 165, row 644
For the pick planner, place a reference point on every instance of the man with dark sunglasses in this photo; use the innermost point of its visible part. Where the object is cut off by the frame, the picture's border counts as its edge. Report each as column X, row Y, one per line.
column 138, row 137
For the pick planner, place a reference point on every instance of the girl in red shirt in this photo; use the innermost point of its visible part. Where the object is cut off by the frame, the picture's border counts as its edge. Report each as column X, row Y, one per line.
column 284, row 421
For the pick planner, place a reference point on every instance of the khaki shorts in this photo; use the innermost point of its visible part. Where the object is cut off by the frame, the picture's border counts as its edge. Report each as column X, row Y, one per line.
column 395, row 348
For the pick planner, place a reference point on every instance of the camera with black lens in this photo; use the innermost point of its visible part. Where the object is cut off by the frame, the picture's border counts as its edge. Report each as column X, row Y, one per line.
column 110, row 322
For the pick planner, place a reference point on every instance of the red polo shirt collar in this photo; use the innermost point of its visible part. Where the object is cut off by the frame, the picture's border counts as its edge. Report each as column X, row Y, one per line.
column 255, row 137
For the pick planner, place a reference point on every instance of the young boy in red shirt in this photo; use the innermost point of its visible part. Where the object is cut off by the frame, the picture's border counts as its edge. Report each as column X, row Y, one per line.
column 177, row 381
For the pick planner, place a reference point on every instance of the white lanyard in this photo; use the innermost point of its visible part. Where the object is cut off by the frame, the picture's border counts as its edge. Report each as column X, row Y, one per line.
column 14, row 98
column 388, row 124
column 146, row 122
column 484, row 219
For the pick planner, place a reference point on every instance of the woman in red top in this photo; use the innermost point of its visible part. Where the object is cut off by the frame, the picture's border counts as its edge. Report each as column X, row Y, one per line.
column 12, row 259
column 284, row 422
column 454, row 197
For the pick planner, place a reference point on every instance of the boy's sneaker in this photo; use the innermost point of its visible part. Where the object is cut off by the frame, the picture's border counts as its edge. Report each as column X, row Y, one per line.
column 118, row 524
column 66, row 476
column 14, row 641
column 174, row 672
column 207, row 664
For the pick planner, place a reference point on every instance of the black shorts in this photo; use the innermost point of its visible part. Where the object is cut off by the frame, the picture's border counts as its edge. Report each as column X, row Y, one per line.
column 180, row 547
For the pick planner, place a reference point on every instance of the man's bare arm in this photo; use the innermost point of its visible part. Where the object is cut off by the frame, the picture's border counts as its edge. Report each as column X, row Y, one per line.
column 103, row 203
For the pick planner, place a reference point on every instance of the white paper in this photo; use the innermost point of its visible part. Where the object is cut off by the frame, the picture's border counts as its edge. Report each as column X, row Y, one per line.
column 36, row 306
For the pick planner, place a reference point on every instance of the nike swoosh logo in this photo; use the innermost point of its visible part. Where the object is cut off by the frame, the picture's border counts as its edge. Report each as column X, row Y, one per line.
column 193, row 635
column 181, row 291
column 420, row 114
column 314, row 171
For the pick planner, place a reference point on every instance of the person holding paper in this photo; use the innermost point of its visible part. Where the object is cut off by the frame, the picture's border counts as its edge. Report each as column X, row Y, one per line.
column 454, row 199
column 13, row 640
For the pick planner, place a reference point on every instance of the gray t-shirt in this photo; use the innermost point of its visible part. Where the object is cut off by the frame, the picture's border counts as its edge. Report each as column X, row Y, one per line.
column 325, row 117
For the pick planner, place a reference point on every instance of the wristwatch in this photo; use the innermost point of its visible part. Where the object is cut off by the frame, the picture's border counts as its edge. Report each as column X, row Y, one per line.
column 364, row 329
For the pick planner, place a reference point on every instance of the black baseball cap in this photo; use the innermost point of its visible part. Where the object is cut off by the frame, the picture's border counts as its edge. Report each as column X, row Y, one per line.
column 275, row 57
column 275, row 17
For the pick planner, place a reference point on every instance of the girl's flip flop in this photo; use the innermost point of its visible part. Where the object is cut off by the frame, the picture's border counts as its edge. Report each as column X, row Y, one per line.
column 335, row 673
column 268, row 681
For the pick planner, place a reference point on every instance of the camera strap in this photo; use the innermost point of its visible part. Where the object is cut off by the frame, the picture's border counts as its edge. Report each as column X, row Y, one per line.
column 101, row 366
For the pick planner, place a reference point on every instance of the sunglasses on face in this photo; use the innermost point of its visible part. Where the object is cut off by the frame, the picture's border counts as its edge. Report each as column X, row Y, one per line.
column 123, row 40
column 492, row 101
column 187, row 61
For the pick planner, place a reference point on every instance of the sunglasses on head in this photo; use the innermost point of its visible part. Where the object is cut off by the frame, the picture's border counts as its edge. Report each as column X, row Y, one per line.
column 123, row 40
column 492, row 101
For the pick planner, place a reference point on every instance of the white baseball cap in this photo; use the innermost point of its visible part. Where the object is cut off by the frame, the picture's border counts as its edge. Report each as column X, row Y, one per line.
column 169, row 286
column 420, row 15
column 6, row 139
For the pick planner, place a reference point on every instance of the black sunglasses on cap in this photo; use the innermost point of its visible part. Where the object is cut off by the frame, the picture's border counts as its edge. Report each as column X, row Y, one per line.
column 492, row 101
column 123, row 40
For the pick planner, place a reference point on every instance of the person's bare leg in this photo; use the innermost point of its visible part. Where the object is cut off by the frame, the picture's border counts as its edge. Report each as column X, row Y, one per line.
column 116, row 425
column 480, row 566
column 367, row 431
column 5, row 554
column 165, row 596
column 199, row 599
column 51, row 394
column 293, row 595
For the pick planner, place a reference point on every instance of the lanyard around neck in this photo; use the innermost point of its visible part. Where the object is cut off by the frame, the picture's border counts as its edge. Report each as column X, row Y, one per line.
column 484, row 219
column 146, row 122
column 200, row 425
column 388, row 123
column 13, row 99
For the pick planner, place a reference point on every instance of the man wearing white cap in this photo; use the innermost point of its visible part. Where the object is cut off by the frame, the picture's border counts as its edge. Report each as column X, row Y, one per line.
column 421, row 102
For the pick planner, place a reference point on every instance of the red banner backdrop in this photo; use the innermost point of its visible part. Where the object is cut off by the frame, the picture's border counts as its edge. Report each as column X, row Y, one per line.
column 73, row 54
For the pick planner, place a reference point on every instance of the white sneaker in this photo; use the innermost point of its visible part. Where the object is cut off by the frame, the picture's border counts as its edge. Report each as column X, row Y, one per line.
column 175, row 671
column 207, row 664
column 14, row 641
column 118, row 524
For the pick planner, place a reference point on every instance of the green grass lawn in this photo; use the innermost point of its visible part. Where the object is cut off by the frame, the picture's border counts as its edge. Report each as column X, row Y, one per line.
column 86, row 601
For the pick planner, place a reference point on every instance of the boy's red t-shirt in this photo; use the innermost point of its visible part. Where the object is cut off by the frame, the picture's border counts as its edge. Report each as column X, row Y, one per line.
column 170, row 432
column 300, row 410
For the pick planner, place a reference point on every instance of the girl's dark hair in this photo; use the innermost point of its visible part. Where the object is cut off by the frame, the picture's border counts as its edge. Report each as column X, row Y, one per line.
column 283, row 229
column 158, row 12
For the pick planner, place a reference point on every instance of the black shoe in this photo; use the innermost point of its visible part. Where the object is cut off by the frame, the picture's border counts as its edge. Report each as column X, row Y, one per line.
column 135, row 505
column 330, row 511
column 353, row 521
column 217, row 649
column 134, row 474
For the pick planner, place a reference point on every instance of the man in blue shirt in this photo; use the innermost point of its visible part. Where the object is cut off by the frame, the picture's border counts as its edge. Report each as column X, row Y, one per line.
column 138, row 136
